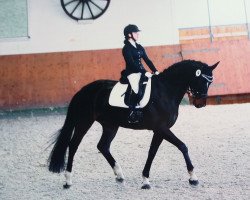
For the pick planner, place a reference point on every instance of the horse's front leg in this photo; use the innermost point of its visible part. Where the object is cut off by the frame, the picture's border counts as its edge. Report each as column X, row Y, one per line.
column 170, row 137
column 156, row 142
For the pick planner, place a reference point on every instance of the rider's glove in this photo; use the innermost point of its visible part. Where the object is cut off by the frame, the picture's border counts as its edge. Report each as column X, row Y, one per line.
column 149, row 75
column 157, row 73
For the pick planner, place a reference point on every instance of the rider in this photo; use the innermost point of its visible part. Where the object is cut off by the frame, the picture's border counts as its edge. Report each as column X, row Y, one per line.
column 132, row 53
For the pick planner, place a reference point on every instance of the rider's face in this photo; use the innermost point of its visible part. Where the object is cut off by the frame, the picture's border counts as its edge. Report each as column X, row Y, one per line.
column 135, row 35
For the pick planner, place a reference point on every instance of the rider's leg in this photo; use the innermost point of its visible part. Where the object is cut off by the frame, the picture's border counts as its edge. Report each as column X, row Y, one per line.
column 135, row 82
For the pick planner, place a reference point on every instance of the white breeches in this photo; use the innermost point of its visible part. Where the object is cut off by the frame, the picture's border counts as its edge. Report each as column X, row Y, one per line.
column 134, row 81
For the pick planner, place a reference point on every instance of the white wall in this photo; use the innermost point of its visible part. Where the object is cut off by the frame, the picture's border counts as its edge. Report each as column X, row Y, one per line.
column 51, row 30
column 191, row 13
column 231, row 12
column 196, row 13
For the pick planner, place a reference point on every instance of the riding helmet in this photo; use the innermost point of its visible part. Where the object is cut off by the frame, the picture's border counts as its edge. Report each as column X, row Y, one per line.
column 130, row 29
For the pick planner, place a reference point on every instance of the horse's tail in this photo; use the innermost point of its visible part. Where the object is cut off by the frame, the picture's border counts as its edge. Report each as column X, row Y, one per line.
column 81, row 108
column 57, row 156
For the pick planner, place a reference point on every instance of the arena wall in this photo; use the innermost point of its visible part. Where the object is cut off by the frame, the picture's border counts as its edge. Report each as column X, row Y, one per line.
column 51, row 79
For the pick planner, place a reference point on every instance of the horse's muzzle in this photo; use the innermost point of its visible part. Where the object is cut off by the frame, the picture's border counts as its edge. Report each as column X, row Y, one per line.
column 199, row 102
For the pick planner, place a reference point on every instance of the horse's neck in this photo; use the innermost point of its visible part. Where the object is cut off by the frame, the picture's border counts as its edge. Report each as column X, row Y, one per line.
column 176, row 81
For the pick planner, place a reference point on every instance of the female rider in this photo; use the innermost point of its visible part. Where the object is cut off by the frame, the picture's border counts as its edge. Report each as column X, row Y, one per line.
column 133, row 53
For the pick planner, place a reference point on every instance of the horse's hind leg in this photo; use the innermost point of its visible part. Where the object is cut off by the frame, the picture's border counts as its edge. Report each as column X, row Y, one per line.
column 109, row 132
column 80, row 130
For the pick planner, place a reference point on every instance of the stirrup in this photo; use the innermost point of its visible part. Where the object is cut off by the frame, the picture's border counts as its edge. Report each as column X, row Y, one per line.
column 135, row 116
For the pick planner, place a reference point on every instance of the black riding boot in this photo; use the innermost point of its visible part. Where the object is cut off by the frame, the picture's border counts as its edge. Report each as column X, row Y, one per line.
column 135, row 114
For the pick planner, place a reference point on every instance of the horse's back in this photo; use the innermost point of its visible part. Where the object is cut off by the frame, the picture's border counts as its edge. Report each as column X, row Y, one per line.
column 88, row 93
column 95, row 86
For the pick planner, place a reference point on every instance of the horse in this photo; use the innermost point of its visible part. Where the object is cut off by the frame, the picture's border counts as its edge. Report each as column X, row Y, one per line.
column 90, row 104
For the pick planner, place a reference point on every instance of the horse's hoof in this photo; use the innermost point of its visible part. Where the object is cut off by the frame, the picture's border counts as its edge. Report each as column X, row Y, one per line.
column 193, row 182
column 146, row 187
column 120, row 180
column 66, row 186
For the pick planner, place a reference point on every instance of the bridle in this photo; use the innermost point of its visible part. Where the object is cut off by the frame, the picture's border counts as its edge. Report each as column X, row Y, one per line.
column 208, row 78
column 195, row 94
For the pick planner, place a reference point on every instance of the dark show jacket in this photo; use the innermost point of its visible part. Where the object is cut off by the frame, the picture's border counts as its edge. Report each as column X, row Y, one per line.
column 132, row 57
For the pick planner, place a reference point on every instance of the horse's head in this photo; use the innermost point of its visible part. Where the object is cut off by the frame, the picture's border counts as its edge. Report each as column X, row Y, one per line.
column 201, row 80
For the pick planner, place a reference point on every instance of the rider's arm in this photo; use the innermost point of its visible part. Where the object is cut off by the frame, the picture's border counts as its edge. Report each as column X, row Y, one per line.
column 148, row 61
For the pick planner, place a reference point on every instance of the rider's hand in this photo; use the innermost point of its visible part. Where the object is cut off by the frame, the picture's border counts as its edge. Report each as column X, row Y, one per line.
column 149, row 75
column 157, row 73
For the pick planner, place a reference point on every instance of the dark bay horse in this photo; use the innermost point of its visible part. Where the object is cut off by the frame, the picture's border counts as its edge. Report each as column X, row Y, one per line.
column 91, row 104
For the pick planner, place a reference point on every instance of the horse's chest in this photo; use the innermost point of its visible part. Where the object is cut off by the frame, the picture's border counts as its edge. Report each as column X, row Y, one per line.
column 173, row 119
column 171, row 115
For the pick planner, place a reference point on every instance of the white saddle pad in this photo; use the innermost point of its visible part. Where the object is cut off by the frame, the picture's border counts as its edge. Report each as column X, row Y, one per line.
column 117, row 95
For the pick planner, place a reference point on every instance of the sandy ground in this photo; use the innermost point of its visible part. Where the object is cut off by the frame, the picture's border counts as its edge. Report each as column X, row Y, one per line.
column 218, row 138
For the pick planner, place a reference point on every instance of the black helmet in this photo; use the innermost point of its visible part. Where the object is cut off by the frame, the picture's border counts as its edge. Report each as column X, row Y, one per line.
column 130, row 29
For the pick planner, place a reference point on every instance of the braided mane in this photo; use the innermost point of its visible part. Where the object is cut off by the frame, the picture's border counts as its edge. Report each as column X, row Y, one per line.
column 186, row 63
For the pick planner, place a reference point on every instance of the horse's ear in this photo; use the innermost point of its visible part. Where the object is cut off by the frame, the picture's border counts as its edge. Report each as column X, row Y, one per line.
column 214, row 66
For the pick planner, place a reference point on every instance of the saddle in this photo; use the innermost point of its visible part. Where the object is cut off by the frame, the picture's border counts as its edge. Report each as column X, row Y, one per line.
column 122, row 94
